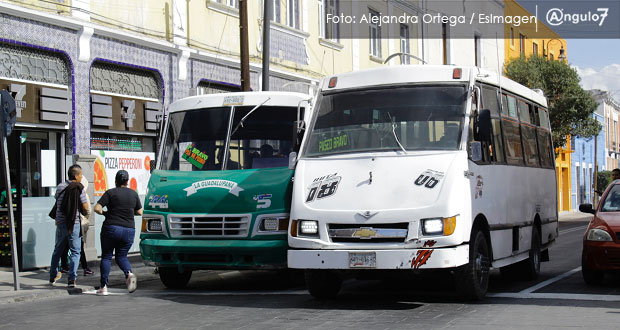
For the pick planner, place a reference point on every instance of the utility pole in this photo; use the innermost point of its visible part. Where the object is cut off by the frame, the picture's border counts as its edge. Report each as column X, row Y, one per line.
column 245, row 56
column 266, row 42
column 595, row 185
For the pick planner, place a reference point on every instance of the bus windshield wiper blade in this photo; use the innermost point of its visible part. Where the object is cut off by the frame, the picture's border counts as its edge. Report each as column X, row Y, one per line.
column 394, row 134
column 246, row 116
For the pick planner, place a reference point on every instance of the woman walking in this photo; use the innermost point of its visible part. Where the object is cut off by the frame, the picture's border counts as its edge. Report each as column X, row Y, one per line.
column 118, row 230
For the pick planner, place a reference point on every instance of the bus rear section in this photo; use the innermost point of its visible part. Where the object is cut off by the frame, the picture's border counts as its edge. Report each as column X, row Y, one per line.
column 220, row 196
column 401, row 170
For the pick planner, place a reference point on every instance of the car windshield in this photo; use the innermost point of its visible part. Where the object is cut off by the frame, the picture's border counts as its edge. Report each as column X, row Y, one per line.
column 196, row 139
column 423, row 117
column 612, row 200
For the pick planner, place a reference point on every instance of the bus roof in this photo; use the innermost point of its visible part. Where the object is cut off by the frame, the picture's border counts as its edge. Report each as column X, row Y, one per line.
column 403, row 74
column 289, row 99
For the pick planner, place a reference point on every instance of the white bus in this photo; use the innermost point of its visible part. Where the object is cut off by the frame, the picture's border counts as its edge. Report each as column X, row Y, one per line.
column 423, row 167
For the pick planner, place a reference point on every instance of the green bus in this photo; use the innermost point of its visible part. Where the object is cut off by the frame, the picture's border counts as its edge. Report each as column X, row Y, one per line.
column 219, row 196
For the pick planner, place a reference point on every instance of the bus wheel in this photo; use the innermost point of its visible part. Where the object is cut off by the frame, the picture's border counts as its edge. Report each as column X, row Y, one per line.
column 323, row 284
column 590, row 276
column 172, row 279
column 472, row 279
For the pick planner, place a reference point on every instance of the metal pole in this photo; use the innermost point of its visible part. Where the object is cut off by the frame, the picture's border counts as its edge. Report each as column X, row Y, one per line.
column 245, row 52
column 594, row 195
column 266, row 42
column 9, row 198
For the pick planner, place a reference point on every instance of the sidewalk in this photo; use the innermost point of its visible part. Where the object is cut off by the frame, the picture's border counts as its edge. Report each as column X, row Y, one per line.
column 574, row 216
column 35, row 285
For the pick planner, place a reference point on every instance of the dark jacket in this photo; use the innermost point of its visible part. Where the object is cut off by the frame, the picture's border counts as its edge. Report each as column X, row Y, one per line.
column 71, row 203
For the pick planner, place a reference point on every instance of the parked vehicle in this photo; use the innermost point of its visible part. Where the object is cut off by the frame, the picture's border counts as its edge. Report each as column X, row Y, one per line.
column 423, row 167
column 220, row 195
column 601, row 241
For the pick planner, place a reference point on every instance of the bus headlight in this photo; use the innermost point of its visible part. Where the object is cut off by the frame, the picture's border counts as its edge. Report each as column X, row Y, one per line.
column 152, row 223
column 273, row 224
column 438, row 226
column 309, row 227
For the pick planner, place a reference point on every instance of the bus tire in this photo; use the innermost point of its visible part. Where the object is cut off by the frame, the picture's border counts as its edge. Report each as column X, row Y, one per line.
column 173, row 279
column 529, row 268
column 590, row 276
column 472, row 279
column 323, row 284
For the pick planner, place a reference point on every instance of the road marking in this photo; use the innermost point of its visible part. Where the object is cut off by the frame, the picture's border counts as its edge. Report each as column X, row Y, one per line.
column 558, row 296
column 551, row 280
column 566, row 231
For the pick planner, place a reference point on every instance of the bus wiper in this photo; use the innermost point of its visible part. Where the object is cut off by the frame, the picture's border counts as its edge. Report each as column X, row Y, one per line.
column 246, row 116
column 394, row 133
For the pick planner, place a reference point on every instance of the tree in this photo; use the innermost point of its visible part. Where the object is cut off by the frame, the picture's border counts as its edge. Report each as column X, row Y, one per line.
column 570, row 107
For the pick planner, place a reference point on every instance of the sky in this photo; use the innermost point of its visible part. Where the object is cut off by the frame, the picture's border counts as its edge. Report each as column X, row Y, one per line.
column 596, row 60
column 598, row 63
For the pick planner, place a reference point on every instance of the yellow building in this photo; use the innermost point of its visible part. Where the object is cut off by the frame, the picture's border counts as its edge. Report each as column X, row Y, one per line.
column 527, row 40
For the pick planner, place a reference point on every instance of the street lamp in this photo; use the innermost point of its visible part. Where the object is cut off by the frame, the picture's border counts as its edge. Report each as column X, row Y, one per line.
column 562, row 57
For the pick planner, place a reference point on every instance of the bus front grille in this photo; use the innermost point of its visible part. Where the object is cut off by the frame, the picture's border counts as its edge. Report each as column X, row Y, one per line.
column 209, row 225
column 375, row 233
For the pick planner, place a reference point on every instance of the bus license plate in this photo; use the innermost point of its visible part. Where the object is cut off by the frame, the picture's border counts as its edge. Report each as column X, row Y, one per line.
column 362, row 260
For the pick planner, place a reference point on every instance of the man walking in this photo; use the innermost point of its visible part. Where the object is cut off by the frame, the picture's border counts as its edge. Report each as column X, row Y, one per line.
column 70, row 202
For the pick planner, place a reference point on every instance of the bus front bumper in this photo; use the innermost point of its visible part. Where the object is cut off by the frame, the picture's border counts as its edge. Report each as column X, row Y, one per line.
column 215, row 254
column 379, row 259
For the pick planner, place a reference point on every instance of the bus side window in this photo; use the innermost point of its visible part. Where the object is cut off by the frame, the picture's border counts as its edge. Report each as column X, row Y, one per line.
column 528, row 134
column 490, row 101
column 510, row 126
column 544, row 139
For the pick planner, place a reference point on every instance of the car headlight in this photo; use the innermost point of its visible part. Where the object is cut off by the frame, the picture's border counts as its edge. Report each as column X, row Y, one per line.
column 152, row 224
column 309, row 227
column 599, row 235
column 438, row 226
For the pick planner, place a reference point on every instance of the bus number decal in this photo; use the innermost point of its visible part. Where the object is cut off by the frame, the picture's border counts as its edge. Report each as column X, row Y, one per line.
column 263, row 201
column 429, row 179
column 323, row 187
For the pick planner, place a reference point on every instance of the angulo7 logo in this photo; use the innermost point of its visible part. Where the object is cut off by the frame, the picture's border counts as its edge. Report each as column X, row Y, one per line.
column 557, row 16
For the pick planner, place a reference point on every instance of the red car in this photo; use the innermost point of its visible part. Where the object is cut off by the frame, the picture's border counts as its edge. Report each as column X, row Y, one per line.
column 601, row 241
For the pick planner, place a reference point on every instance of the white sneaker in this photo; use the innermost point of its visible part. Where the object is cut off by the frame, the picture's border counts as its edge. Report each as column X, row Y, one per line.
column 103, row 291
column 132, row 282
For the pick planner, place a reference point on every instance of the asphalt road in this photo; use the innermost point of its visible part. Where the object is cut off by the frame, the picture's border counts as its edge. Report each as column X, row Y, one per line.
column 559, row 299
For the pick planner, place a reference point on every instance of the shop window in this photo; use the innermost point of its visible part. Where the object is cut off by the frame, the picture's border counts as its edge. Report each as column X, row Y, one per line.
column 32, row 64
column 124, row 80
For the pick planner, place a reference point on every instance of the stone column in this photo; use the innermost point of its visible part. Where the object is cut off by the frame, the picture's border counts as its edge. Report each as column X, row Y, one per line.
column 87, row 162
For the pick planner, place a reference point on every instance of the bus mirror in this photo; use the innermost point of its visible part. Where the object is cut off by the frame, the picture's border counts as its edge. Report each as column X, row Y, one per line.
column 483, row 126
column 292, row 160
column 152, row 164
column 476, row 151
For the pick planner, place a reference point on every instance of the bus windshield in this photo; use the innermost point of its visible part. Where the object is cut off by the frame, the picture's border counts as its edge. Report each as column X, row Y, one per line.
column 196, row 139
column 424, row 117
